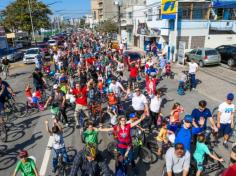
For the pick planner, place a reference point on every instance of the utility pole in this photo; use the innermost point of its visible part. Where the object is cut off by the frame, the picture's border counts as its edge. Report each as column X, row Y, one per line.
column 31, row 20
column 119, row 4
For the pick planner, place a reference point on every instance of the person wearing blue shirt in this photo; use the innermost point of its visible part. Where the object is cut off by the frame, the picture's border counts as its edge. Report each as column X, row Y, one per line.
column 185, row 133
column 162, row 62
column 203, row 112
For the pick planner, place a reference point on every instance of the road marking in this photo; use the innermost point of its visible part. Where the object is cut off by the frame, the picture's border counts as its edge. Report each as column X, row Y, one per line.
column 46, row 157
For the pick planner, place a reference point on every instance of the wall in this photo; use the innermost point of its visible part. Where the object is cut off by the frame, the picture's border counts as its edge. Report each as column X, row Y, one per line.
column 213, row 41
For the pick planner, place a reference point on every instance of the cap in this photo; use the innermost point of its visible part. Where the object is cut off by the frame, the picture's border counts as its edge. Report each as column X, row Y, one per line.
column 55, row 86
column 132, row 115
column 188, row 118
column 23, row 153
column 230, row 96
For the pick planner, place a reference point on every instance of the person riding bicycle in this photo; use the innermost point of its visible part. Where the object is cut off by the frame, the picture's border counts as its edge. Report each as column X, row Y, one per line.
column 5, row 66
column 6, row 92
column 201, row 150
column 87, row 163
column 58, row 146
column 26, row 165
column 58, row 99
column 177, row 161
column 38, row 79
column 90, row 135
column 122, row 132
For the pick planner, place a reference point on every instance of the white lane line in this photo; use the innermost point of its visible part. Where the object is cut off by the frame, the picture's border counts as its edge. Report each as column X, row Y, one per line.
column 46, row 157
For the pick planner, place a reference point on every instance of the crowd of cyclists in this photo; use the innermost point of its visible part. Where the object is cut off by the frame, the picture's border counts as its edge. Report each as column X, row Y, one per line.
column 96, row 82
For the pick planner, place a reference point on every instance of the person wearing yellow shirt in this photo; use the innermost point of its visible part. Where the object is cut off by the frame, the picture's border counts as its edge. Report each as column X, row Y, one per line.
column 162, row 138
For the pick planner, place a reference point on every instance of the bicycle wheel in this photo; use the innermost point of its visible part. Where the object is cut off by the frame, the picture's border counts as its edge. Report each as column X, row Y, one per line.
column 19, row 110
column 61, row 171
column 3, row 133
column 145, row 155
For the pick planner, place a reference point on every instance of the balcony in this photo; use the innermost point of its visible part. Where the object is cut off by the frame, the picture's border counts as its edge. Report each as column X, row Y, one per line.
column 100, row 2
column 223, row 25
column 193, row 24
column 100, row 7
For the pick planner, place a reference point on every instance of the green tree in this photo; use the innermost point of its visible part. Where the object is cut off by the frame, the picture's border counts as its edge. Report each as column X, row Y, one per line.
column 16, row 16
column 108, row 26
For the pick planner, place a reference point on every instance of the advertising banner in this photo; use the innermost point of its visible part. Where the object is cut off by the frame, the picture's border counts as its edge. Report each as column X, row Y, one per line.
column 168, row 9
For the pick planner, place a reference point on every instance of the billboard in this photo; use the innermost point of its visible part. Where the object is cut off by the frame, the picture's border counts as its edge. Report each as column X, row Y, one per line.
column 169, row 9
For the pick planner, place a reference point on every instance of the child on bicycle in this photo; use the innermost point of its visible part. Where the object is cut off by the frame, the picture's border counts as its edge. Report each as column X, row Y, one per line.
column 161, row 139
column 90, row 135
column 201, row 150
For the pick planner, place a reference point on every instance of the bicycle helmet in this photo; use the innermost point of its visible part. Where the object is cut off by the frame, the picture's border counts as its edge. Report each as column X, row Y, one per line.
column 90, row 151
column 188, row 118
column 23, row 154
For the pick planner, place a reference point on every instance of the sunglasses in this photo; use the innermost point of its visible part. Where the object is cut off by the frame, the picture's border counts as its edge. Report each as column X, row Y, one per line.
column 179, row 148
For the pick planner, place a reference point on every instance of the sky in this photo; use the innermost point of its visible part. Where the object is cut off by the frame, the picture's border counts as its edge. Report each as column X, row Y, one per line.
column 70, row 8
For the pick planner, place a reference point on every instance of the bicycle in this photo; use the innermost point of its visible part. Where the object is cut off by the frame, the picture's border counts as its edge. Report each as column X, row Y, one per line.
column 18, row 109
column 61, row 166
column 139, row 150
column 83, row 120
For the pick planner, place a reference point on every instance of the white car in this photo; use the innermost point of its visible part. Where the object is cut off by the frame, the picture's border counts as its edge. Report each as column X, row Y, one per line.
column 52, row 42
column 31, row 54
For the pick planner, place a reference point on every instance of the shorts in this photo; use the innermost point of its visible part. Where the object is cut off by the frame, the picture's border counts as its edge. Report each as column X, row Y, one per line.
column 199, row 166
column 132, row 80
column 225, row 129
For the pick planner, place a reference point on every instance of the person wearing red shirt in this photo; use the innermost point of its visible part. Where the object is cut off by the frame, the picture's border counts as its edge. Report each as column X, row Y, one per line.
column 122, row 132
column 80, row 93
column 151, row 83
column 133, row 74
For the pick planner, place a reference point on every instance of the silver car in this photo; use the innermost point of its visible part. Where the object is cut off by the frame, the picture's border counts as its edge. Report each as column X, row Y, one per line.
column 204, row 56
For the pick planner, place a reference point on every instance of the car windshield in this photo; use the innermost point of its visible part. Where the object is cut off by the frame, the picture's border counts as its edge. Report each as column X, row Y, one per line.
column 211, row 52
column 51, row 41
column 32, row 51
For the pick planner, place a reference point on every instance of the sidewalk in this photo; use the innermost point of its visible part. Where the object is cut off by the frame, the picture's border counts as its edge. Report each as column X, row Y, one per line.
column 210, row 86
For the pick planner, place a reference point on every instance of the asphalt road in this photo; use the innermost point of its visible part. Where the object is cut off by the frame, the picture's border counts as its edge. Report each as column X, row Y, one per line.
column 29, row 132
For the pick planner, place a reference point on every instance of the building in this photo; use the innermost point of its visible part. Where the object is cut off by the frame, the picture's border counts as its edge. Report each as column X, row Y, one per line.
column 95, row 8
column 3, row 41
column 193, row 24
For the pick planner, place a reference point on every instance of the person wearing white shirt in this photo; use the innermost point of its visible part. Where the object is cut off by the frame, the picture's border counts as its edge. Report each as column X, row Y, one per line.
column 116, row 87
column 225, row 118
column 140, row 103
column 193, row 68
column 155, row 108
column 55, row 60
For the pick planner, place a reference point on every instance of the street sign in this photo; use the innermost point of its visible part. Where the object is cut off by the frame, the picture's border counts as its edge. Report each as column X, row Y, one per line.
column 181, row 52
column 168, row 9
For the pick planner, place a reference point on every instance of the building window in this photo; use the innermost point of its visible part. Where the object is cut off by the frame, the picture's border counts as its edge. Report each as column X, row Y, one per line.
column 184, row 12
column 197, row 12
column 149, row 15
column 158, row 14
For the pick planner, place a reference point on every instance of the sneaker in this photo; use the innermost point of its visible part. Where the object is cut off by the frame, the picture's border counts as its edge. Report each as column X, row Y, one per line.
column 66, row 124
column 77, row 126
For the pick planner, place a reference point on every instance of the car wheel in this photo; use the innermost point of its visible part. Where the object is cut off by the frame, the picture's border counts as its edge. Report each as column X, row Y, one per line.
column 201, row 64
column 230, row 62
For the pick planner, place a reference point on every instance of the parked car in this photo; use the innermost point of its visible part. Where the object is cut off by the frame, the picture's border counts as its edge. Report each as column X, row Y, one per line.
column 52, row 42
column 31, row 54
column 13, row 55
column 204, row 56
column 228, row 54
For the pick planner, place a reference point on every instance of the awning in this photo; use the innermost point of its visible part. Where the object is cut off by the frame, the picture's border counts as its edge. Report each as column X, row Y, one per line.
column 224, row 4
